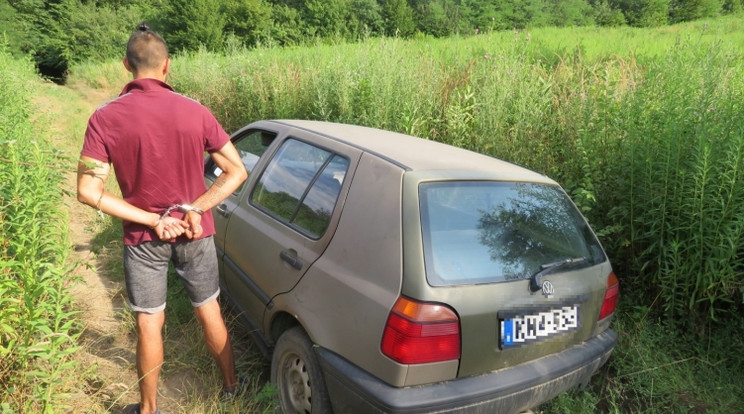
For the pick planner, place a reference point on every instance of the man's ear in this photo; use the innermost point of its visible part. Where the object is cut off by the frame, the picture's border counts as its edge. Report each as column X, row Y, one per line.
column 127, row 65
column 166, row 66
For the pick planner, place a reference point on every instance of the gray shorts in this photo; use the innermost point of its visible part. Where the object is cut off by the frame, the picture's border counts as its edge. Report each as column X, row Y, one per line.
column 146, row 272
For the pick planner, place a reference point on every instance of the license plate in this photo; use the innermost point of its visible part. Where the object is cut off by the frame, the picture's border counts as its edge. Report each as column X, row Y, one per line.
column 521, row 329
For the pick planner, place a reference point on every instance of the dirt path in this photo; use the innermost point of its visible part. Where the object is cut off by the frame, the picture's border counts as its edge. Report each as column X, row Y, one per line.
column 108, row 341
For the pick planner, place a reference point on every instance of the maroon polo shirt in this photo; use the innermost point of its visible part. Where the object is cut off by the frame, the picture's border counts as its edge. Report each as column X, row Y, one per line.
column 156, row 140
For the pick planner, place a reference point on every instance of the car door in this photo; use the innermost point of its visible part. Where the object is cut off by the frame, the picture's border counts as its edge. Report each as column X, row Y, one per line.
column 251, row 144
column 286, row 218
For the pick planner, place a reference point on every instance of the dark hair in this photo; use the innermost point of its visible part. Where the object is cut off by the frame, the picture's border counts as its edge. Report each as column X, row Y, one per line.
column 146, row 49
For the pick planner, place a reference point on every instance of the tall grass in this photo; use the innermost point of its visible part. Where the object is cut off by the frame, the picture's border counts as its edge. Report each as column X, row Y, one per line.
column 37, row 327
column 643, row 127
column 685, row 149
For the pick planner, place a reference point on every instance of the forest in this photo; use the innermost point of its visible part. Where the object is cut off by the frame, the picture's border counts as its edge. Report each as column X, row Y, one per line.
column 59, row 33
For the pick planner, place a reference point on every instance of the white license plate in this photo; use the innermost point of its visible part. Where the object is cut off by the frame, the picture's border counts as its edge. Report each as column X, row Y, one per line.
column 523, row 329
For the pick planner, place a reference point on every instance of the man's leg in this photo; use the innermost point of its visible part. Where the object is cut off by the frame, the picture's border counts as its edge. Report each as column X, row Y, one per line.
column 218, row 340
column 146, row 277
column 149, row 357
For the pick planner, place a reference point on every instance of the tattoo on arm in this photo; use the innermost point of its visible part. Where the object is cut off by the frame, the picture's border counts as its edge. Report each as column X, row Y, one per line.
column 220, row 181
column 217, row 194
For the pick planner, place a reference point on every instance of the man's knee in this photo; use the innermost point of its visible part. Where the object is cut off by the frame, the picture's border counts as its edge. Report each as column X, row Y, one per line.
column 209, row 312
column 150, row 323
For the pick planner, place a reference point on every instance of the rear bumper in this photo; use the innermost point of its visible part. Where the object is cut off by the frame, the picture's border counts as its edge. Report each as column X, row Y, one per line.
column 510, row 390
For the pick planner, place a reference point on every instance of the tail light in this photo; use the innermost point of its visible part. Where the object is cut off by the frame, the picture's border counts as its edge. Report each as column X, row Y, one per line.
column 610, row 298
column 417, row 333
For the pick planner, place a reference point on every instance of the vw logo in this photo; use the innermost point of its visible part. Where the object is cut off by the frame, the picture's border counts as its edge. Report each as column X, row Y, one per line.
column 547, row 289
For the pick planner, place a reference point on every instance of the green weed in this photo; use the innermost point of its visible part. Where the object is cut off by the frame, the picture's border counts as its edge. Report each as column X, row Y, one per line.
column 643, row 127
column 38, row 329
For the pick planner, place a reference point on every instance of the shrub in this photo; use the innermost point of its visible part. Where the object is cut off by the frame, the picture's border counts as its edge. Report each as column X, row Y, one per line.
column 37, row 332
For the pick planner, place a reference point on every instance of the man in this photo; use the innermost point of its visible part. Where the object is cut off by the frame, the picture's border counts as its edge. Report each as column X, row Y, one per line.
column 155, row 139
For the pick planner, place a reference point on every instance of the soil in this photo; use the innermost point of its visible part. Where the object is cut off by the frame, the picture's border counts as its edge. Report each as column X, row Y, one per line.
column 108, row 342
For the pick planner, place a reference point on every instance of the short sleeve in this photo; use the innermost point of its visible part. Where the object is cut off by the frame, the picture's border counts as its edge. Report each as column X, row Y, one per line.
column 93, row 145
column 215, row 136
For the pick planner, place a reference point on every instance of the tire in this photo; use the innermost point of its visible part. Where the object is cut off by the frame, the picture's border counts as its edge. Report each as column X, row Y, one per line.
column 296, row 373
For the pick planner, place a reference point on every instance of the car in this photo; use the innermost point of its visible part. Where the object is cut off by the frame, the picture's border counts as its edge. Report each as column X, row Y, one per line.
column 385, row 273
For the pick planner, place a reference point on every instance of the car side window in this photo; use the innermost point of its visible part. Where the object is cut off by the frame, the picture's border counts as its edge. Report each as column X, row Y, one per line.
column 250, row 146
column 300, row 186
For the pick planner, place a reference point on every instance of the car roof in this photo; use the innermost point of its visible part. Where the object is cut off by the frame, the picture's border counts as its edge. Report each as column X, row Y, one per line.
column 416, row 154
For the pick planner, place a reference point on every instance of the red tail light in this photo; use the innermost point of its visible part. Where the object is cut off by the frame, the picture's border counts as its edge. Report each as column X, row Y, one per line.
column 610, row 298
column 418, row 333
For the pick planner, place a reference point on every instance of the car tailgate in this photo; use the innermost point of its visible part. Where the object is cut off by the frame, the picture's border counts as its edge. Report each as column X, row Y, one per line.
column 486, row 311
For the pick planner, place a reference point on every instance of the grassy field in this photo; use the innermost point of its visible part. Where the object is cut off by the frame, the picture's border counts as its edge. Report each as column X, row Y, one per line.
column 643, row 127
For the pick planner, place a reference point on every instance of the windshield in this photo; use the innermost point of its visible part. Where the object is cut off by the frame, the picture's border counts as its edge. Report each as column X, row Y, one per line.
column 486, row 232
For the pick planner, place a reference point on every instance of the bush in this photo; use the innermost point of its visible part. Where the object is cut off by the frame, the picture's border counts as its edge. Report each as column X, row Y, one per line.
column 37, row 332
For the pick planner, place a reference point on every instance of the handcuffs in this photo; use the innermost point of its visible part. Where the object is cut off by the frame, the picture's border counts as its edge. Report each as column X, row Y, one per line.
column 183, row 208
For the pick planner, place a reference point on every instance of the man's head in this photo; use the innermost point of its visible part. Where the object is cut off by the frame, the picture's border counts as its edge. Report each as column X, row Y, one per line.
column 147, row 54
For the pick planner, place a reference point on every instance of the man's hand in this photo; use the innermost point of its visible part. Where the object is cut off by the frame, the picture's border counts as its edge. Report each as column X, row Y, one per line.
column 169, row 228
column 193, row 222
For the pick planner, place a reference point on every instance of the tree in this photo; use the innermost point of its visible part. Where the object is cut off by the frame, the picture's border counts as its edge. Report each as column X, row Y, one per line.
column 644, row 13
column 481, row 15
column 287, row 25
column 366, row 18
column 248, row 20
column 327, row 18
column 59, row 33
column 190, row 24
column 732, row 6
column 12, row 33
column 605, row 15
column 572, row 13
column 432, row 18
column 519, row 14
column 398, row 18
column 535, row 13
column 688, row 10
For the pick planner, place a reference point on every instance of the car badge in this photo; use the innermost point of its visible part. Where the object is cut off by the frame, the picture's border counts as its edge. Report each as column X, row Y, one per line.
column 547, row 289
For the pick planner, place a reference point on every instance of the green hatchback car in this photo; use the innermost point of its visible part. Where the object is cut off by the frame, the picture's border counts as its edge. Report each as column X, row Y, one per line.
column 384, row 273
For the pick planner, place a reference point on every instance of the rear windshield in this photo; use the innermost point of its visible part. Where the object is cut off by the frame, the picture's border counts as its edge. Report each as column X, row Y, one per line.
column 486, row 232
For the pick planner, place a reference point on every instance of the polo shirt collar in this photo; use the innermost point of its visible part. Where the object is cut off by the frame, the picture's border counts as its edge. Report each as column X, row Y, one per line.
column 144, row 85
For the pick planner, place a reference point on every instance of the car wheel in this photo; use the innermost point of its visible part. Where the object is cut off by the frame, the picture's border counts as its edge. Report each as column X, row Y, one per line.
column 296, row 373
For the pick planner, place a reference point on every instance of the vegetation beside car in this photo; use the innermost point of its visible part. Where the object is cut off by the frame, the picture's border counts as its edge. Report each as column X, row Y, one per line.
column 639, row 88
column 38, row 329
column 614, row 101
column 61, row 33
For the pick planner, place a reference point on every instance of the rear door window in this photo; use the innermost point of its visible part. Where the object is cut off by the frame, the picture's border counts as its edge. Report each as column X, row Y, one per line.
column 300, row 186
column 486, row 232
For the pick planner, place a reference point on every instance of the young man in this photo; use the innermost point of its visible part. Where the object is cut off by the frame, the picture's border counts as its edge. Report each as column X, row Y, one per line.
column 156, row 139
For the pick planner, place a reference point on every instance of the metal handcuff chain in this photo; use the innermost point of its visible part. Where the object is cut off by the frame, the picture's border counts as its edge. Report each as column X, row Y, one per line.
column 183, row 208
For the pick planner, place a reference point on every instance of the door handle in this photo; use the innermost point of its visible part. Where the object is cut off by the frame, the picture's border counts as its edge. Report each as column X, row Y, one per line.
column 222, row 210
column 291, row 258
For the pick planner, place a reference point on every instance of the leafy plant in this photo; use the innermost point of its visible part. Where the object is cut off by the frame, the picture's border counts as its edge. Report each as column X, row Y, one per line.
column 38, row 331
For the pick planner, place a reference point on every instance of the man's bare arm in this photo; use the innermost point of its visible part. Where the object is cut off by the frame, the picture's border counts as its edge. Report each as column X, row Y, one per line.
column 233, row 174
column 91, row 177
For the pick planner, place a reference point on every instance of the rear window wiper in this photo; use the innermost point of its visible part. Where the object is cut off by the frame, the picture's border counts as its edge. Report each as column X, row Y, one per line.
column 536, row 278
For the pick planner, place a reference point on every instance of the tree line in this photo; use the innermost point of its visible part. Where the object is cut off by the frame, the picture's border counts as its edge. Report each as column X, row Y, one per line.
column 58, row 33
